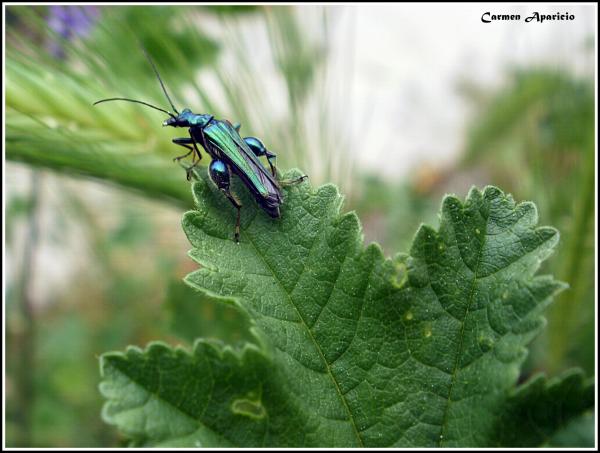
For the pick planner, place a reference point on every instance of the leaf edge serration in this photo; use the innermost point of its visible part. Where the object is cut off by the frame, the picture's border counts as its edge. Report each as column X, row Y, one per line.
column 398, row 262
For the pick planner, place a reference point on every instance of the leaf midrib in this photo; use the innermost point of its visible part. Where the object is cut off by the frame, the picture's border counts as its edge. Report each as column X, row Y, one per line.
column 462, row 337
column 314, row 341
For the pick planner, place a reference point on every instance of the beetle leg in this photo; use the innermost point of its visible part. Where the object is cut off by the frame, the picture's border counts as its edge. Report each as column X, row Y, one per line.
column 185, row 142
column 193, row 141
column 188, row 170
column 221, row 175
column 259, row 149
column 291, row 182
column 273, row 156
column 235, row 202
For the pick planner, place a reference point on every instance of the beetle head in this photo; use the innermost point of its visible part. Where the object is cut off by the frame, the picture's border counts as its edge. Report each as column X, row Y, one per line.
column 181, row 120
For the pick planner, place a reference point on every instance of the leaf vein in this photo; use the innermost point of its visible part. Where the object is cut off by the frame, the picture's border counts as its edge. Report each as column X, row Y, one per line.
column 314, row 341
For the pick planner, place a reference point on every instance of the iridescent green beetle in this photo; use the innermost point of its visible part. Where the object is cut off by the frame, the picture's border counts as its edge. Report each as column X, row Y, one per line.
column 230, row 153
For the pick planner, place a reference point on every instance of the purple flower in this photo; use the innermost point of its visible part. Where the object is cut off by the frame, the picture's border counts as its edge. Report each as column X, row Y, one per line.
column 70, row 22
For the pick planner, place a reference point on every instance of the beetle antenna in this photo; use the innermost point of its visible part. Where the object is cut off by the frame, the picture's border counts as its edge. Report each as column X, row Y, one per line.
column 159, row 79
column 137, row 102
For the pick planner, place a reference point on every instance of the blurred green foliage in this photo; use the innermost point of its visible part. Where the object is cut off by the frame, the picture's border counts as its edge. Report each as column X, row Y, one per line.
column 114, row 299
column 52, row 124
column 190, row 312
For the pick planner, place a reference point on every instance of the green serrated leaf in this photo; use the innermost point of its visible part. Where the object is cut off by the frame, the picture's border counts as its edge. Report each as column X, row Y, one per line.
column 355, row 350
column 539, row 411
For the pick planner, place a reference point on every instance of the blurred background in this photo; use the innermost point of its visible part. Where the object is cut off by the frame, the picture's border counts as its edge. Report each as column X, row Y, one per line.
column 397, row 104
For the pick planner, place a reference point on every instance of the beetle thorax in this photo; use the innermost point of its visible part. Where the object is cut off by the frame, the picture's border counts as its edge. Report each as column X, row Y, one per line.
column 193, row 119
